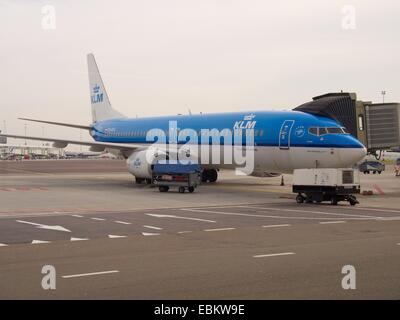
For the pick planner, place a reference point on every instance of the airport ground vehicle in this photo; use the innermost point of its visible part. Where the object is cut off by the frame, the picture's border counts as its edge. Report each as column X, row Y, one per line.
column 369, row 166
column 334, row 185
column 397, row 167
column 183, row 176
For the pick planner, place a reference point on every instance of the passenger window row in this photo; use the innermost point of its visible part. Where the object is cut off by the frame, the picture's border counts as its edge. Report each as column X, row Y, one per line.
column 320, row 131
column 139, row 133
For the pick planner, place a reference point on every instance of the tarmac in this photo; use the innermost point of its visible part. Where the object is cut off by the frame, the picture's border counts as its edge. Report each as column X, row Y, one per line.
column 239, row 238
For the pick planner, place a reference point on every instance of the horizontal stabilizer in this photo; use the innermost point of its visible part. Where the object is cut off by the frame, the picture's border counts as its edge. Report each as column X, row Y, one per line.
column 78, row 126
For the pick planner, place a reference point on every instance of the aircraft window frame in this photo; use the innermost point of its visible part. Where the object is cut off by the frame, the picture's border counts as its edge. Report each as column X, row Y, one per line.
column 338, row 130
column 322, row 131
column 310, row 129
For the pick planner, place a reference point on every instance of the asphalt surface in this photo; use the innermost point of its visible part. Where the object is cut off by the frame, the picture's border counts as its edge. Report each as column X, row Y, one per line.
column 244, row 243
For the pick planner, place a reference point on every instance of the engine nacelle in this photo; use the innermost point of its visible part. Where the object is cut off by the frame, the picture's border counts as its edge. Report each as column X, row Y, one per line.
column 140, row 163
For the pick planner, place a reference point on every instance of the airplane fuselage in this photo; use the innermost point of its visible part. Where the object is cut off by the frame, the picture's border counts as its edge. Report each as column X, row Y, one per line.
column 283, row 140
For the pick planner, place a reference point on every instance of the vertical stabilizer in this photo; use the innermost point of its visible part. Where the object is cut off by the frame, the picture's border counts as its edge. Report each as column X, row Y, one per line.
column 101, row 106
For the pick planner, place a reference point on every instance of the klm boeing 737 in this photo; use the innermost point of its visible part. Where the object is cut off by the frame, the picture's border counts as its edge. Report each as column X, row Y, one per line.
column 281, row 141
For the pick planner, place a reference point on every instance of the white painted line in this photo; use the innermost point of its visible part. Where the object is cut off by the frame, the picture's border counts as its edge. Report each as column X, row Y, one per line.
column 220, row 229
column 389, row 219
column 39, row 241
column 98, row 219
column 79, row 239
column 277, row 225
column 152, row 227
column 150, row 234
column 272, row 216
column 331, row 222
column 113, row 236
column 373, row 209
column 44, row 226
column 181, row 232
column 3, row 245
column 76, row 216
column 178, row 217
column 273, row 255
column 122, row 222
column 398, row 244
column 319, row 212
column 89, row 274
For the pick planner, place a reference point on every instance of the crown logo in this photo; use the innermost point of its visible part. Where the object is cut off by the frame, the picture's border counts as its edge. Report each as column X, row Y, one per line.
column 96, row 88
column 249, row 117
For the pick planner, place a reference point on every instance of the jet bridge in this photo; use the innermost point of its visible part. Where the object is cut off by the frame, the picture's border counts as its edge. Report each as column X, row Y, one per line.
column 376, row 125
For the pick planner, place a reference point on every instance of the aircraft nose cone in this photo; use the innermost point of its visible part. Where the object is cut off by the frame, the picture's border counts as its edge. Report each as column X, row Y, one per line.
column 351, row 156
column 361, row 153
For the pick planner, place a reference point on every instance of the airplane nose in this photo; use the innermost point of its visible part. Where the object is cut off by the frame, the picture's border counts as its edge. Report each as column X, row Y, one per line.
column 351, row 156
column 362, row 152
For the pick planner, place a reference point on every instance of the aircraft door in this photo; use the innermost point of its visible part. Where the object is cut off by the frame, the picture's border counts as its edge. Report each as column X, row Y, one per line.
column 284, row 134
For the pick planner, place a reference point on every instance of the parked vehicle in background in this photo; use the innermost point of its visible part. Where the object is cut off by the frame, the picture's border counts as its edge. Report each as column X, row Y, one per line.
column 397, row 168
column 373, row 166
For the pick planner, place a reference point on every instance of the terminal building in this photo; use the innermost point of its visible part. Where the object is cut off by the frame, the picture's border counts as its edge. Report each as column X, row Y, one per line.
column 19, row 151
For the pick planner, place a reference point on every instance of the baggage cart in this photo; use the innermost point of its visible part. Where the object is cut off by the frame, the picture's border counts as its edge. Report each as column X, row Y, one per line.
column 183, row 176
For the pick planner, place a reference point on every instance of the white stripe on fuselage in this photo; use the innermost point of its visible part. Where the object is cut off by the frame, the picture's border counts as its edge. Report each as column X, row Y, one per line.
column 274, row 159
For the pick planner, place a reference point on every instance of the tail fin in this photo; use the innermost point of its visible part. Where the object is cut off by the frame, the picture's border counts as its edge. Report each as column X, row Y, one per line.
column 101, row 106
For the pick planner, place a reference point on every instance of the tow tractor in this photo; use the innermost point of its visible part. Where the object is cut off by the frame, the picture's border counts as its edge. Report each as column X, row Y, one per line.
column 334, row 185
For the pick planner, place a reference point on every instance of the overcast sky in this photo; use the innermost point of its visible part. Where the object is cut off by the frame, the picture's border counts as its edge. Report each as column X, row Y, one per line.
column 162, row 57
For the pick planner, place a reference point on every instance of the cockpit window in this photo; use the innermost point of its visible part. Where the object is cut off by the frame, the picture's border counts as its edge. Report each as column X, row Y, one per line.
column 313, row 131
column 322, row 131
column 335, row 130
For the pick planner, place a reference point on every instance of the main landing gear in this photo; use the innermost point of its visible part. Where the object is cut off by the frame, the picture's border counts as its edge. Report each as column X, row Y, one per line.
column 209, row 175
column 142, row 180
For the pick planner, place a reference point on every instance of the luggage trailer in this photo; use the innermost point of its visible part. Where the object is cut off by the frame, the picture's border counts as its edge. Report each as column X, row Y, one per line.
column 183, row 176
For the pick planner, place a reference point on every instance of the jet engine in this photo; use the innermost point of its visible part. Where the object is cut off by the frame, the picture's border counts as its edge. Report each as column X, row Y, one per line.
column 140, row 163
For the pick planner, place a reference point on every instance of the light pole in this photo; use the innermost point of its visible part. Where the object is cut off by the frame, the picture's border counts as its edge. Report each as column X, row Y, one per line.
column 25, row 125
column 383, row 96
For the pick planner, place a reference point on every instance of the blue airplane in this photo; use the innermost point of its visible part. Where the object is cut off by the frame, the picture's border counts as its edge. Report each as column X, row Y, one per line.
column 281, row 141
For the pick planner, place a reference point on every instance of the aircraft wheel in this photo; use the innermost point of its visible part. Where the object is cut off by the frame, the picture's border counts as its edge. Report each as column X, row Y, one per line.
column 191, row 189
column 139, row 180
column 209, row 175
column 163, row 188
column 181, row 189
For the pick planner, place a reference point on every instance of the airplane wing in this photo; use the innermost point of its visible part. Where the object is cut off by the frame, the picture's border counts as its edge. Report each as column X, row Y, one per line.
column 77, row 126
column 95, row 146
